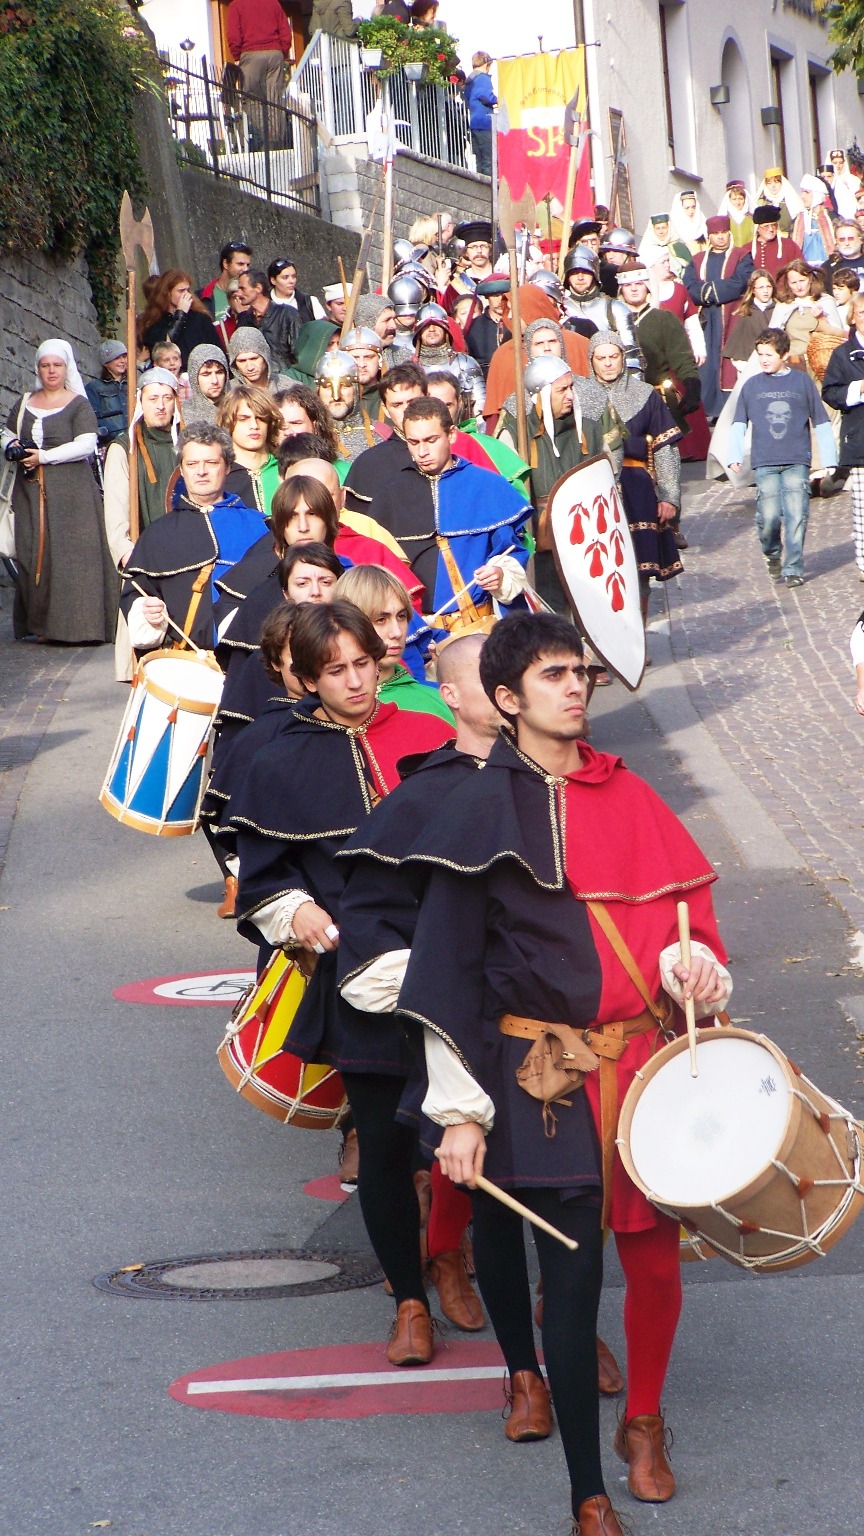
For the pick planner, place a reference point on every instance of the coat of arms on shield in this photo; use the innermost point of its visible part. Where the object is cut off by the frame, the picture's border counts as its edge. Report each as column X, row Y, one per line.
column 597, row 566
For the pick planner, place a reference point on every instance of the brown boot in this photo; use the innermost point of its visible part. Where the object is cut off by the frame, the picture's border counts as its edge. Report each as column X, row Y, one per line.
column 459, row 1301
column 349, row 1159
column 642, row 1442
column 229, row 899
column 411, row 1338
column 530, row 1416
column 610, row 1378
column 597, row 1518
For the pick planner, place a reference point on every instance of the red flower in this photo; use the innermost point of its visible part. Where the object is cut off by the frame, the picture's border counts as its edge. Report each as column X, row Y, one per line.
column 441, row 57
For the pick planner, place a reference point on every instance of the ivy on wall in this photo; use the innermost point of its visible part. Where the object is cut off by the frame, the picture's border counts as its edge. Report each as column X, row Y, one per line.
column 70, row 71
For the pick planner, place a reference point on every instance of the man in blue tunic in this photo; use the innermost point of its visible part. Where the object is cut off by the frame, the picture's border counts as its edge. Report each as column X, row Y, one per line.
column 715, row 280
column 462, row 528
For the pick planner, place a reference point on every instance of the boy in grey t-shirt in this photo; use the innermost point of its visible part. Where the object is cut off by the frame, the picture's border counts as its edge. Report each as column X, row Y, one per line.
column 780, row 403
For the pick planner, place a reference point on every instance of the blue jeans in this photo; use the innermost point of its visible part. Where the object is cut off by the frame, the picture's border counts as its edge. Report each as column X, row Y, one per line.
column 783, row 501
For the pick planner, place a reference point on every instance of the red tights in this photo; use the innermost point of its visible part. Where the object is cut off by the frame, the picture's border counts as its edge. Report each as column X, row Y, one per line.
column 449, row 1216
column 652, row 1306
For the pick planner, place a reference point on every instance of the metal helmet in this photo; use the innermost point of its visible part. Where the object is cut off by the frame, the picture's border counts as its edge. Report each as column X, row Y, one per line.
column 405, row 294
column 403, row 250
column 619, row 240
column 544, row 370
column 336, row 366
column 415, row 270
column 582, row 259
column 472, row 386
column 549, row 283
column 432, row 314
column 361, row 337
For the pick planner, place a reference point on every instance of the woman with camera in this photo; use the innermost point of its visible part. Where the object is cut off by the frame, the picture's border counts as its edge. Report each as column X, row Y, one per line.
column 67, row 590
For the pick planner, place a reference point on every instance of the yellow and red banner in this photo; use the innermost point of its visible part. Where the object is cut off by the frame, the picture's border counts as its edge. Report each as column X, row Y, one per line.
column 542, row 111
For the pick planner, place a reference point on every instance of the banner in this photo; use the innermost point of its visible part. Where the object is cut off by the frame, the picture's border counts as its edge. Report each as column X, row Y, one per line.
column 542, row 109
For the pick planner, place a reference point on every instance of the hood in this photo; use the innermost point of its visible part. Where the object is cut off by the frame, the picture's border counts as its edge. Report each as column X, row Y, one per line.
column 247, row 339
column 311, row 344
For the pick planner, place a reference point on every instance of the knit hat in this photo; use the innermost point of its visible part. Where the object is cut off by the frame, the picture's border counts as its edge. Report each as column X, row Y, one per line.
column 369, row 307
column 766, row 213
column 109, row 351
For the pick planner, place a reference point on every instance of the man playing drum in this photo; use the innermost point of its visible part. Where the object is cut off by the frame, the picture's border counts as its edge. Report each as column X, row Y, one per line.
column 562, row 959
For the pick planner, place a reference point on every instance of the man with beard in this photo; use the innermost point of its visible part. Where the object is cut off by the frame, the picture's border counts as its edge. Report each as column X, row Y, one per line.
column 376, row 465
column 338, row 385
column 665, row 347
column 367, row 350
column 588, row 308
column 715, row 280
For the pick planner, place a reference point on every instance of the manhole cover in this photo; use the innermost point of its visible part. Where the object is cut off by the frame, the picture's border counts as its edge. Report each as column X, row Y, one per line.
column 261, row 1276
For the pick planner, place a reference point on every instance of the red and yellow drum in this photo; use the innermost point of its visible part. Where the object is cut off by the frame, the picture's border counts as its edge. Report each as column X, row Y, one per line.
column 254, row 1059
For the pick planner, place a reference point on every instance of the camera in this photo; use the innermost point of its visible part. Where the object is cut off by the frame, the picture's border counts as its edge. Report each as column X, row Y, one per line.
column 15, row 451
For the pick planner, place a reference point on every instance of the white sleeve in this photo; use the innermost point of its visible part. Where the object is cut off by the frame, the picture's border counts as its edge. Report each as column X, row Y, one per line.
column 275, row 919
column 671, row 955
column 81, row 447
column 453, row 1097
column 853, row 393
column 225, row 624
column 696, row 338
column 856, row 644
column 318, row 309
column 376, row 989
column 515, row 577
column 115, row 475
column 143, row 635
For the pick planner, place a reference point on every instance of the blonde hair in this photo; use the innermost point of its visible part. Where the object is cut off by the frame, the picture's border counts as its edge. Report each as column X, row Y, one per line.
column 368, row 586
column 480, row 58
column 424, row 231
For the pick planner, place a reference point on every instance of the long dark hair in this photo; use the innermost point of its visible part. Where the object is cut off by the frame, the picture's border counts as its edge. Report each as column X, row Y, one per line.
column 322, row 421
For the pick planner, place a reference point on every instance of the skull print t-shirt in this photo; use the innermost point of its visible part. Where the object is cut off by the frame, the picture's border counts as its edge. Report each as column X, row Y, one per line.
column 780, row 408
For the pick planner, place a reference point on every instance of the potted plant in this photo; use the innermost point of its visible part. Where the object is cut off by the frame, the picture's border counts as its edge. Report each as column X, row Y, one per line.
column 402, row 45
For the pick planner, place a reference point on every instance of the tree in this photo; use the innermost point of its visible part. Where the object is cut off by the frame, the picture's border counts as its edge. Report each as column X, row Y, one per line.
column 845, row 20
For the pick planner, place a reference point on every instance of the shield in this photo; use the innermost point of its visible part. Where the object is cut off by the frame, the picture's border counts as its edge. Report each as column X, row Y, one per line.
column 597, row 566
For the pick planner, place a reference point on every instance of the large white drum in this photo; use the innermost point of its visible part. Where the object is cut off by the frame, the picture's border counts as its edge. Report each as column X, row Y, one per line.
column 749, row 1156
column 156, row 777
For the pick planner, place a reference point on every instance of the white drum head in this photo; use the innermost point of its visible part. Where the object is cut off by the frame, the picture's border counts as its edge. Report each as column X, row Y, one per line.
column 698, row 1139
column 186, row 679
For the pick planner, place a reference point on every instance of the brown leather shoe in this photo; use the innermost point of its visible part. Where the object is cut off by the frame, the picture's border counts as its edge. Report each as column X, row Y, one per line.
column 642, row 1442
column 411, row 1338
column 459, row 1301
column 530, row 1416
column 610, row 1378
column 597, row 1518
column 229, row 899
column 349, row 1159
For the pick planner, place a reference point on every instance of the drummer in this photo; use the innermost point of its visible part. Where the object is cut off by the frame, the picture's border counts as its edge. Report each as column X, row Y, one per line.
column 513, row 900
column 177, row 559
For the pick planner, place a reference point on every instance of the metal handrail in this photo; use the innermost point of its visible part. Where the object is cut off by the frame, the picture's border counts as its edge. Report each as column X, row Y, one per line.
column 266, row 147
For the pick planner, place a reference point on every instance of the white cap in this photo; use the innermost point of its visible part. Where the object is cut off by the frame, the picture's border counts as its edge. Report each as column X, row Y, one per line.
column 333, row 291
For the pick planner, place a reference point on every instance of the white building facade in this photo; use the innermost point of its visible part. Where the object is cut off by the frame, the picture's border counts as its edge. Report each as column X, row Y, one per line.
column 711, row 90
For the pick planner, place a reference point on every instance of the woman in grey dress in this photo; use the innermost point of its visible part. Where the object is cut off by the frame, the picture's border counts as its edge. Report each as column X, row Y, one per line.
column 67, row 588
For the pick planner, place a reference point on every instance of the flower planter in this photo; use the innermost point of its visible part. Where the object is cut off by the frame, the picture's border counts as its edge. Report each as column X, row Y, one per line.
column 415, row 72
column 371, row 58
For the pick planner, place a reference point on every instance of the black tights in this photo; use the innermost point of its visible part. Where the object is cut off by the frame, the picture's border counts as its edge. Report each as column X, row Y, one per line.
column 571, row 1296
column 385, row 1184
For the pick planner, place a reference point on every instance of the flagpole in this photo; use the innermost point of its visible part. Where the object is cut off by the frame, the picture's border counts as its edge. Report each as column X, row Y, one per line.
column 494, row 184
column 387, row 254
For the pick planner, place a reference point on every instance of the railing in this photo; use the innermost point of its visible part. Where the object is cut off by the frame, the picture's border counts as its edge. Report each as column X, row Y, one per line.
column 268, row 148
column 331, row 82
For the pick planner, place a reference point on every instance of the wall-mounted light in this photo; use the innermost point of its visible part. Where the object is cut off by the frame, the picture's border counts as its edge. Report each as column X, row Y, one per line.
column 187, row 45
column 719, row 95
column 770, row 117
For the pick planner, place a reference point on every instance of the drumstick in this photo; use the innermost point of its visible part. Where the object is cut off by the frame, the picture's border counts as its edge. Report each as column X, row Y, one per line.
column 489, row 1188
column 687, row 959
column 462, row 590
column 181, row 632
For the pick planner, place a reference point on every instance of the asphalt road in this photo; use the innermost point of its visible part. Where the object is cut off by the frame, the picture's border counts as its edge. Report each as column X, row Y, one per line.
column 122, row 1143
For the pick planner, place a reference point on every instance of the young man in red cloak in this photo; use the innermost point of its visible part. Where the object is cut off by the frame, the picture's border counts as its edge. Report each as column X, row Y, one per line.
column 551, row 887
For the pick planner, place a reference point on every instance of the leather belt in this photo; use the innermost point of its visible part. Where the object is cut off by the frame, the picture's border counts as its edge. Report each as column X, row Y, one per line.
column 609, row 1042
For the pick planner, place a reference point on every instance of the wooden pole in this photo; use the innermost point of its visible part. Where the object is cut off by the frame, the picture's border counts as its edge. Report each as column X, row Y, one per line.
column 131, row 397
column 360, row 269
column 687, row 959
column 343, row 280
column 522, row 1210
column 567, row 215
column 516, row 316
column 387, row 253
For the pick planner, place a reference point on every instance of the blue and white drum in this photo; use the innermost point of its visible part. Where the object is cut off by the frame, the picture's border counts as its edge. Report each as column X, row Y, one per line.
column 157, row 774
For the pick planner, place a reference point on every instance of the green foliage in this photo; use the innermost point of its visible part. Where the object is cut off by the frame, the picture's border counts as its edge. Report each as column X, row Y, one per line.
column 845, row 20
column 404, row 44
column 70, row 71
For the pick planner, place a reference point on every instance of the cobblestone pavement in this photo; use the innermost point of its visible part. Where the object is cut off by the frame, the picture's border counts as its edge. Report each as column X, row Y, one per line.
column 33, row 681
column 768, row 671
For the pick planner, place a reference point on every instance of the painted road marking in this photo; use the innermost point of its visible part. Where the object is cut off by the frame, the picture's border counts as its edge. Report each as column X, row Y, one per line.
column 349, row 1381
column 329, row 1188
column 216, row 988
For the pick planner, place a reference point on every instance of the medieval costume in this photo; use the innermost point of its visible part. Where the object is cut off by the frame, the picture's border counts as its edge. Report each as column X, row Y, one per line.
column 535, row 305
column 687, row 222
column 740, row 218
column 246, row 340
column 715, row 280
column 771, row 255
column 813, row 227
column 653, row 247
column 786, row 199
column 200, row 407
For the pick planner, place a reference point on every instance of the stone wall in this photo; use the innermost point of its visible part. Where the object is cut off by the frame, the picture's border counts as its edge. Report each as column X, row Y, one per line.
column 350, row 182
column 41, row 298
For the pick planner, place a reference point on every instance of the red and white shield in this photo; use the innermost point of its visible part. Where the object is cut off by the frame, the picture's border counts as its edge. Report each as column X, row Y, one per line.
column 597, row 566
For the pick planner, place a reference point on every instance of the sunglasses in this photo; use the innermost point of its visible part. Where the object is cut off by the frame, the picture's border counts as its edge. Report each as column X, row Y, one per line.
column 279, row 266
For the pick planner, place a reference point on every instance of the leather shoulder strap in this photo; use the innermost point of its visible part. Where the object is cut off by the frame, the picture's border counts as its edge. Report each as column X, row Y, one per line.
column 605, row 920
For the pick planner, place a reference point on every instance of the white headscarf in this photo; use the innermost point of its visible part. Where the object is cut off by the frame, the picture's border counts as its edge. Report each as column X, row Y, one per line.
column 54, row 347
column 788, row 195
column 687, row 227
column 816, row 188
column 737, row 215
column 157, row 376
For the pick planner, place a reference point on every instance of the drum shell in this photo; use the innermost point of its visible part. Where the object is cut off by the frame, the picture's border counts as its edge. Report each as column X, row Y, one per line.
column 770, row 1201
column 282, row 1086
column 141, row 800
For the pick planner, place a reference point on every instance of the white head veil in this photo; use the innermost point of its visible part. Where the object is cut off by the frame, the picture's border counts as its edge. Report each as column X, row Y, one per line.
column 816, row 188
column 54, row 347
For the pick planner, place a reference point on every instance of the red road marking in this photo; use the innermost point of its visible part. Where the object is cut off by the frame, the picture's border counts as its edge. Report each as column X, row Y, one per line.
column 329, row 1188
column 348, row 1381
column 219, row 989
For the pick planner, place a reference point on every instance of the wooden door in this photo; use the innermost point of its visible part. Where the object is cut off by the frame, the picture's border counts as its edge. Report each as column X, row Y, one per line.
column 296, row 10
